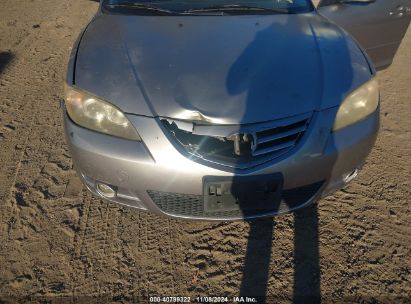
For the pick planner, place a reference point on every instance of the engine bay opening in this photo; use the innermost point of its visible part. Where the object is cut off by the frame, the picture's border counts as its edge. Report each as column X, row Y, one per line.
column 237, row 145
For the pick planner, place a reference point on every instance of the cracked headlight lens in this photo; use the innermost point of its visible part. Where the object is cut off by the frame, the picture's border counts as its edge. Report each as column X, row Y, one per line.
column 358, row 105
column 98, row 115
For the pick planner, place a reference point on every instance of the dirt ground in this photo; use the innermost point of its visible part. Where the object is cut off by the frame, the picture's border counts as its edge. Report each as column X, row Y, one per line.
column 58, row 243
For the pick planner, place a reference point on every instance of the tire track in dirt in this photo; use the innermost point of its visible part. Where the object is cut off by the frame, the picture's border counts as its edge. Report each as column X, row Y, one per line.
column 59, row 241
column 33, row 179
column 215, row 253
column 36, row 207
column 95, row 248
column 154, row 257
column 19, row 101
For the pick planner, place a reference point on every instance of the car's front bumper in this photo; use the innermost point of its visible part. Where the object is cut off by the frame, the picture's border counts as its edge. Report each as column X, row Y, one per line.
column 153, row 175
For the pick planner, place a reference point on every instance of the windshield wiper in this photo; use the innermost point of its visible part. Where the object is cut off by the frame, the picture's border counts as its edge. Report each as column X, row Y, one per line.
column 239, row 7
column 143, row 7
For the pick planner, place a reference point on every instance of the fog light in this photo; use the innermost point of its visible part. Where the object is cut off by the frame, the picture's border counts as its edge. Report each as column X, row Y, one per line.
column 105, row 190
column 349, row 177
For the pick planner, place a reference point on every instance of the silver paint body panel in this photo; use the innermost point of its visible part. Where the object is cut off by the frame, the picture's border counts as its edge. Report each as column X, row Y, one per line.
column 135, row 167
column 378, row 26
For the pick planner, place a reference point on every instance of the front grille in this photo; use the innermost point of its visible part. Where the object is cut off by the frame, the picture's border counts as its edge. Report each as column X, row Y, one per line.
column 238, row 146
column 279, row 139
column 192, row 205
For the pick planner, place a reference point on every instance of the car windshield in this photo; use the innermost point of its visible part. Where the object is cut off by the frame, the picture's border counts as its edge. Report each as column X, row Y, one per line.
column 208, row 6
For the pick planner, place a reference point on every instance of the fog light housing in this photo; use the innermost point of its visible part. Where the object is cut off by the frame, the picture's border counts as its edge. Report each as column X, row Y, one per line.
column 340, row 183
column 350, row 176
column 105, row 190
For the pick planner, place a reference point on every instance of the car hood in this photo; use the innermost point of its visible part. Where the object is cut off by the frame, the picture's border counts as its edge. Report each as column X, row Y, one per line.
column 221, row 69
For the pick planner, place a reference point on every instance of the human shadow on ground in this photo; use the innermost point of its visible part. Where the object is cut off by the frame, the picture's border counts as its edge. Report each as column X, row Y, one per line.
column 256, row 273
column 5, row 59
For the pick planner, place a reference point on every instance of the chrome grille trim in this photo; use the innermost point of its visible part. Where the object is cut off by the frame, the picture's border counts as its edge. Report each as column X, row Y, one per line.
column 274, row 148
column 270, row 140
column 279, row 138
column 264, row 139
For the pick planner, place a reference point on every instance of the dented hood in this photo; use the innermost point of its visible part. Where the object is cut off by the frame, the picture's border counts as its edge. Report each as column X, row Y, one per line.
column 223, row 69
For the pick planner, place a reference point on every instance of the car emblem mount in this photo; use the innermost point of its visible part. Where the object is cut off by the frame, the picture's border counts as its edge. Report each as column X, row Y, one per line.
column 244, row 143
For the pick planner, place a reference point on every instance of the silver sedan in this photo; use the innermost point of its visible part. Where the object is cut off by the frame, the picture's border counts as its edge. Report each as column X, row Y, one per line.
column 225, row 110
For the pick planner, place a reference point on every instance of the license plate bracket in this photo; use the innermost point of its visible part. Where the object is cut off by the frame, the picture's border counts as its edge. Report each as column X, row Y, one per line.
column 246, row 193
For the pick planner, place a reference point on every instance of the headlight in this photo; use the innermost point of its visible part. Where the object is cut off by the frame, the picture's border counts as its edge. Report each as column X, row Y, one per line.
column 359, row 104
column 93, row 113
